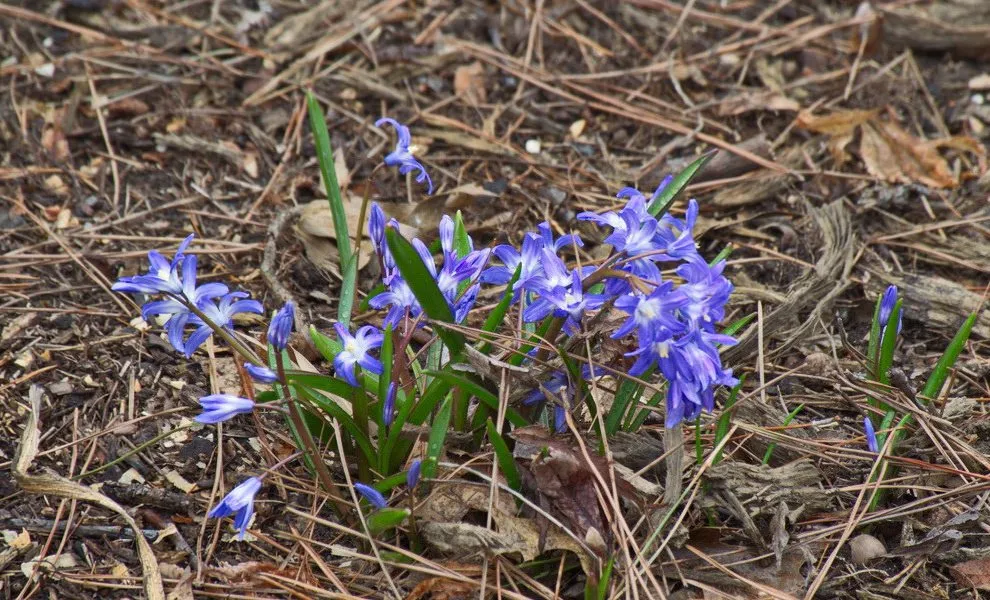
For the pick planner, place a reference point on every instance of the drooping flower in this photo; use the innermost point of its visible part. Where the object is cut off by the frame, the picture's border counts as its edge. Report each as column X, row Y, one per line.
column 261, row 374
column 402, row 157
column 871, row 435
column 239, row 502
column 559, row 419
column 887, row 304
column 388, row 407
column 355, row 352
column 220, row 407
column 221, row 314
column 281, row 326
column 400, row 300
column 163, row 276
column 412, row 475
column 370, row 494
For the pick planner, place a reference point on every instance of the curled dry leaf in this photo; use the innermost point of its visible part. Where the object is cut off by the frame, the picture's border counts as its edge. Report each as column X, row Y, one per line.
column 888, row 151
column 469, row 81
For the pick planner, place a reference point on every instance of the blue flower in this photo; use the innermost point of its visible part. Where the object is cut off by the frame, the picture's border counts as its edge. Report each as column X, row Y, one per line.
column 220, row 314
column 355, row 352
column 871, row 434
column 220, row 407
column 240, row 500
column 707, row 291
column 647, row 312
column 401, row 157
column 388, row 407
column 281, row 326
column 370, row 494
column 187, row 293
column 400, row 299
column 887, row 303
column 559, row 419
column 412, row 475
column 162, row 277
column 562, row 294
column 261, row 374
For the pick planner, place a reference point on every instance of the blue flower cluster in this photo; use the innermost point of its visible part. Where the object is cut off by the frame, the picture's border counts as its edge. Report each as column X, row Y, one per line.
column 457, row 278
column 176, row 280
column 673, row 319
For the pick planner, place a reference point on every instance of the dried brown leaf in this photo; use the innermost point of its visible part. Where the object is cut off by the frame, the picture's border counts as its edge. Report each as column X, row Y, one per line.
column 973, row 573
column 469, row 81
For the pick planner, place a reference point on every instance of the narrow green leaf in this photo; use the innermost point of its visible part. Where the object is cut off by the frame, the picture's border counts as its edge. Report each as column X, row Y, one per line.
column 787, row 421
column 478, row 391
column 325, row 383
column 887, row 345
column 736, row 326
column 424, row 287
column 386, row 518
column 506, row 462
column 438, row 435
column 324, row 155
column 725, row 418
column 628, row 394
column 605, row 581
column 347, row 422
column 873, row 347
column 661, row 204
column 462, row 241
column 724, row 254
column 327, row 346
column 937, row 379
column 636, row 419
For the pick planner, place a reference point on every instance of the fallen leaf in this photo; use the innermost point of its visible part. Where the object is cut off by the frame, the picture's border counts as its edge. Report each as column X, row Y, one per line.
column 973, row 573
column 469, row 81
column 441, row 588
column 888, row 151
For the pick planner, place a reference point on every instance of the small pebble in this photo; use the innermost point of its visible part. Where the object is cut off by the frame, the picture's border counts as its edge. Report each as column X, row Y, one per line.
column 864, row 547
column 533, row 146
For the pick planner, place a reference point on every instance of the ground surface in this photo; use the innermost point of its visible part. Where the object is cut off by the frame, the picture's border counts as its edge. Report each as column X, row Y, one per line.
column 850, row 157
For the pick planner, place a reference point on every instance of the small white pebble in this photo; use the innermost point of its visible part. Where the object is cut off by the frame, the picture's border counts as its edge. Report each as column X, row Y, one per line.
column 45, row 70
column 977, row 99
column 533, row 146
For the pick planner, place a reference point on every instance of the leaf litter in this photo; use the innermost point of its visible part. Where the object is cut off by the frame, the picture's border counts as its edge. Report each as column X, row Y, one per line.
column 877, row 185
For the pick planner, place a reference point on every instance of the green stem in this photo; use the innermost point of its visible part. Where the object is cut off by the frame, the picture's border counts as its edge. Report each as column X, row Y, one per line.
column 336, row 496
column 359, row 403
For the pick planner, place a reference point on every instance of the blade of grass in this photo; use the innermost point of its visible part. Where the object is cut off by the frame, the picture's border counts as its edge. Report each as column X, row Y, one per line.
column 725, row 419
column 506, row 463
column 324, row 155
column 661, row 204
column 424, row 287
column 787, row 421
column 483, row 395
column 438, row 435
column 948, row 359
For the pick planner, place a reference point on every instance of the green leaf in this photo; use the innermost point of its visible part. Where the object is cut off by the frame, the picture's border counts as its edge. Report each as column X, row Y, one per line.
column 724, row 254
column 462, row 241
column 483, row 395
column 787, row 421
column 506, row 462
column 386, row 518
column 937, row 379
column 661, row 204
column 636, row 420
column 338, row 388
column 324, row 155
column 629, row 393
column 327, row 346
column 347, row 423
column 725, row 418
column 424, row 287
column 887, row 345
column 736, row 326
column 438, row 435
column 603, row 583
